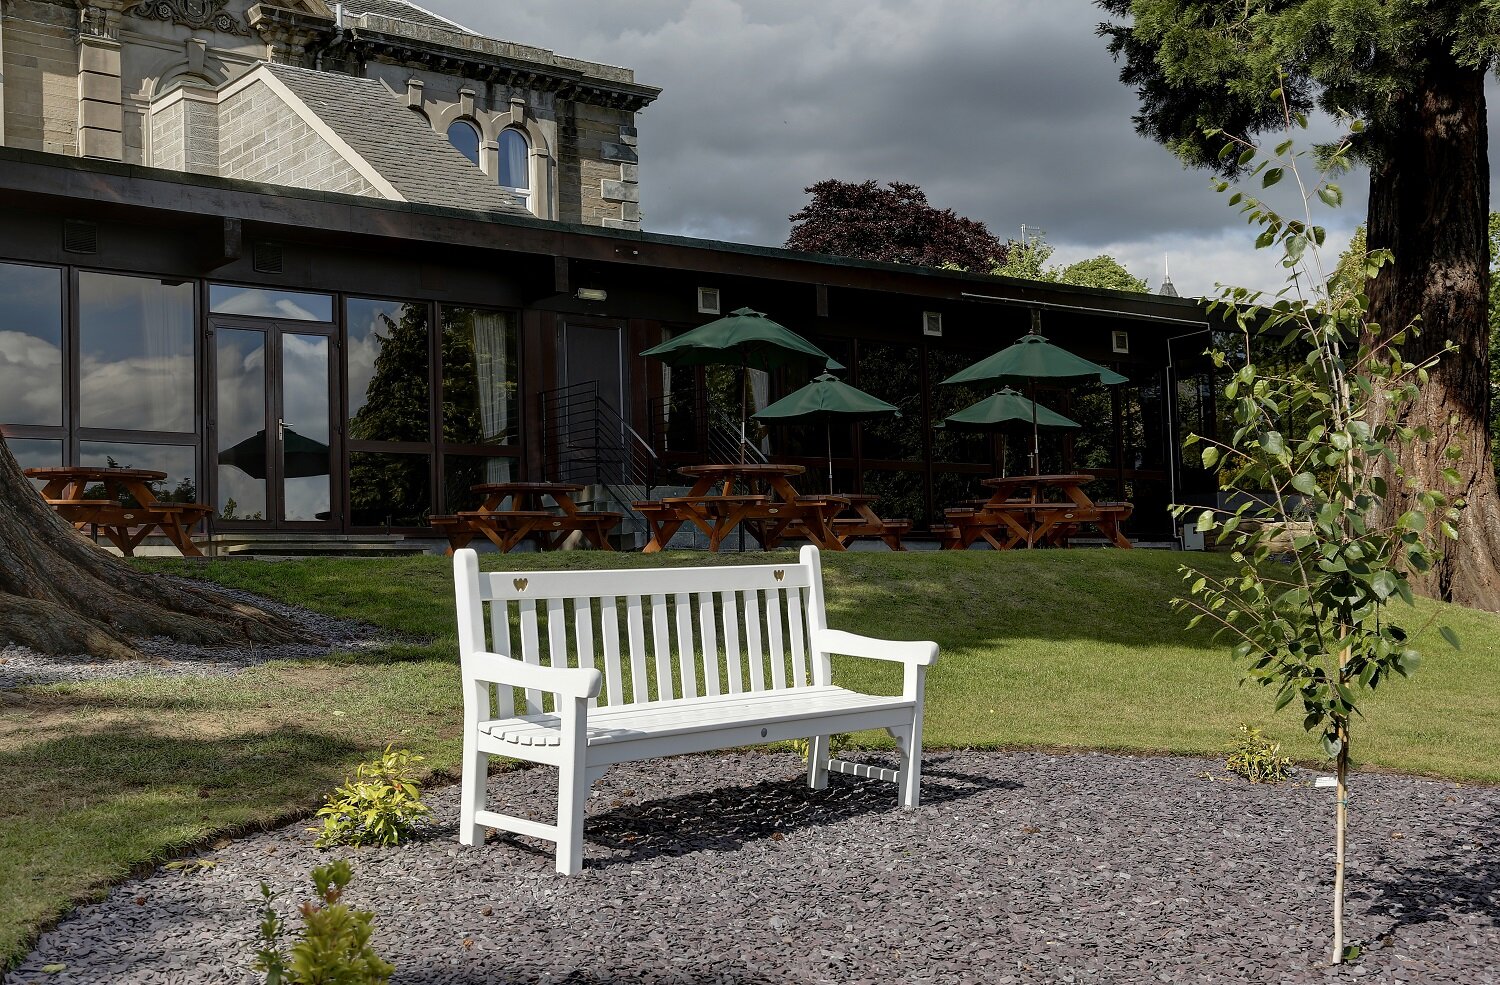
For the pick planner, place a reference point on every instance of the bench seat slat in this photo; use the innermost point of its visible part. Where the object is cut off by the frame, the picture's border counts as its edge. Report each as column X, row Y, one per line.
column 687, row 649
column 609, row 633
column 799, row 637
column 635, row 625
column 530, row 652
column 777, row 647
column 611, row 725
column 661, row 644
column 752, row 640
column 583, row 628
column 708, row 643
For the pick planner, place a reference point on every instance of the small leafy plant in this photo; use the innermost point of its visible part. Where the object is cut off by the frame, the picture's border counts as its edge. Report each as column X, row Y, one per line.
column 836, row 743
column 380, row 805
column 334, row 948
column 1257, row 758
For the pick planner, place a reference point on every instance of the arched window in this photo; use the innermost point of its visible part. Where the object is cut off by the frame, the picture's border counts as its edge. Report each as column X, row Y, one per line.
column 515, row 165
column 464, row 137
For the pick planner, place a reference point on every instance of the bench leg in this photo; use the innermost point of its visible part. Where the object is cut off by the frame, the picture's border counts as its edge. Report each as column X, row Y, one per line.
column 572, row 790
column 909, row 746
column 817, row 761
column 476, row 771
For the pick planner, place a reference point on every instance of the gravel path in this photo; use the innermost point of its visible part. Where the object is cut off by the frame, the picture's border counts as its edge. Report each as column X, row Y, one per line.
column 1021, row 867
column 20, row 666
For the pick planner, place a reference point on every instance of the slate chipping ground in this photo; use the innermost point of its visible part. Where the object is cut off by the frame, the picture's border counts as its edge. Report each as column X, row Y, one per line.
column 1019, row 867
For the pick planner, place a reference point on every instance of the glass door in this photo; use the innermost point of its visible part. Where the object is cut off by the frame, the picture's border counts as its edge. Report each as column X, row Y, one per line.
column 272, row 428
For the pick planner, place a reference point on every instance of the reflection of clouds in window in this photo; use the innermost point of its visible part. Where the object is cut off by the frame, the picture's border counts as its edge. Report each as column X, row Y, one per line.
column 30, row 380
column 135, row 338
column 240, row 404
column 177, row 461
column 465, row 139
column 305, row 408
column 31, row 375
column 255, row 302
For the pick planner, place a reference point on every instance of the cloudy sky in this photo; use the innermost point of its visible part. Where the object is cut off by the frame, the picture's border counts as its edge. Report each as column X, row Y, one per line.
column 1007, row 111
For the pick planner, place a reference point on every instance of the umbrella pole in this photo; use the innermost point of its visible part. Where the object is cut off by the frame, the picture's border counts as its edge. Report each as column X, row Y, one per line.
column 828, row 430
column 744, row 410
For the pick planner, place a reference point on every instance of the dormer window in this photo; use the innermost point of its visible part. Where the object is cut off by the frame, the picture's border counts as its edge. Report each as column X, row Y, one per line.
column 465, row 139
column 515, row 166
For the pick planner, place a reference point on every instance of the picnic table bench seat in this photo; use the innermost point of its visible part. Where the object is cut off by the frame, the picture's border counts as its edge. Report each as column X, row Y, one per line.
column 507, row 528
column 693, row 660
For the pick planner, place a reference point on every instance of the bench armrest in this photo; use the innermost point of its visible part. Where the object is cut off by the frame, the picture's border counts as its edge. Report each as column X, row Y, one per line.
column 922, row 653
column 572, row 682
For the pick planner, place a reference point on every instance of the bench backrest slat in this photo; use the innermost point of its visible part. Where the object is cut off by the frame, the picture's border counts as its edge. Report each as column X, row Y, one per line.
column 687, row 647
column 531, row 652
column 708, row 644
column 773, row 632
column 688, row 632
column 636, row 624
column 729, row 607
column 609, row 638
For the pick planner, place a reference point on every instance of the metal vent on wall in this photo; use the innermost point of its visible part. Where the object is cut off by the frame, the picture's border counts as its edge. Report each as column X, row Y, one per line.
column 268, row 259
column 80, row 236
column 708, row 300
column 932, row 323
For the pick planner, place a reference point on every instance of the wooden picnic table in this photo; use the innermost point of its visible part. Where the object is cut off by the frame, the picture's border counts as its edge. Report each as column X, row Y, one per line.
column 864, row 523
column 527, row 517
column 66, row 488
column 769, row 505
column 1032, row 510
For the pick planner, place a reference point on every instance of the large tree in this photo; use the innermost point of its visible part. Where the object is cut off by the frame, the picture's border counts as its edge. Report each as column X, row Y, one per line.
column 1414, row 73
column 894, row 224
column 60, row 594
column 1028, row 261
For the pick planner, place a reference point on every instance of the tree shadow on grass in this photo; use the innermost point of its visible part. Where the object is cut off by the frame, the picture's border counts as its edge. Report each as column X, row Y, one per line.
column 726, row 819
column 1458, row 874
column 86, row 810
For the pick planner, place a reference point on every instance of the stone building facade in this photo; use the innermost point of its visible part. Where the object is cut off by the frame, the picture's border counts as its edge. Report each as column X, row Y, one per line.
column 153, row 82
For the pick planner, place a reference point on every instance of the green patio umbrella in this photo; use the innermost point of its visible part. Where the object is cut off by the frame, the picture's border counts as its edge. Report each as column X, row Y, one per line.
column 744, row 338
column 1002, row 410
column 827, row 397
column 1033, row 358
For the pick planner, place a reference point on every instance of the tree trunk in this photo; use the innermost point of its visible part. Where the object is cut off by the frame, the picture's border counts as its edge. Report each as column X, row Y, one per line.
column 1429, row 205
column 60, row 594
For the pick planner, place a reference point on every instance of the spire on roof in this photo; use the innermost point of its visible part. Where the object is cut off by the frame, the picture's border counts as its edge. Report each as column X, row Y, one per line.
column 1167, row 289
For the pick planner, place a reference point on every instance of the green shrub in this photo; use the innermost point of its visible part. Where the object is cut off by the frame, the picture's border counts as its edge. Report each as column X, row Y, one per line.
column 380, row 805
column 1257, row 758
column 334, row 948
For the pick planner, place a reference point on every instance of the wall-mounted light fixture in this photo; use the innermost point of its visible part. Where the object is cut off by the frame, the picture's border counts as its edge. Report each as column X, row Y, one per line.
column 591, row 294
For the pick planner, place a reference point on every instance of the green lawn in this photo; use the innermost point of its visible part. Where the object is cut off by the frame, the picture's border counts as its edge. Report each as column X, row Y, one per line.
column 1047, row 648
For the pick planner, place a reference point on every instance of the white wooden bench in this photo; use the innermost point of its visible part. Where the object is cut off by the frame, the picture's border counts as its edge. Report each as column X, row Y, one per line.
column 675, row 678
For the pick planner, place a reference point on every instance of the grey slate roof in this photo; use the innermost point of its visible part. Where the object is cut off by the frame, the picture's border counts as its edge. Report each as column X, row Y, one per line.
column 401, row 11
column 396, row 141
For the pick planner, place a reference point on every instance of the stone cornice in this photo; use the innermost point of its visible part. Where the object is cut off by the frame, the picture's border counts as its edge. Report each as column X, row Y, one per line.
column 567, row 83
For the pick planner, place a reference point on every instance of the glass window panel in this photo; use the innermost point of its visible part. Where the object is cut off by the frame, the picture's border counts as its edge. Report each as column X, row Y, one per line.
column 515, row 160
column 461, row 472
column 481, row 377
column 135, row 338
column 389, row 490
column 389, row 390
column 1144, row 421
column 465, row 139
column 953, row 444
column 178, row 461
column 1092, row 405
column 900, row 494
column 307, row 486
column 894, row 374
column 36, row 453
column 954, row 489
column 265, row 302
column 240, row 424
column 31, row 353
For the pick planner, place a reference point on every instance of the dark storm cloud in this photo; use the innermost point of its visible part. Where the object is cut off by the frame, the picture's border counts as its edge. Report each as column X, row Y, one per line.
column 1008, row 112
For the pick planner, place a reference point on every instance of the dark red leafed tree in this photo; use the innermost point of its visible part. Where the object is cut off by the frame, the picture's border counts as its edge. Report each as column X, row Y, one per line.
column 894, row 224
column 60, row 594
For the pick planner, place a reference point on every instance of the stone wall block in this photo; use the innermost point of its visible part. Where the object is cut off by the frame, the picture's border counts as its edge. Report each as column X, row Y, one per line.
column 619, row 191
column 613, row 151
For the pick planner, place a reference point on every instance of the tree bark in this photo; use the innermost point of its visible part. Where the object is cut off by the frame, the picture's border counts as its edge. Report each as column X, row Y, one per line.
column 1429, row 205
column 59, row 594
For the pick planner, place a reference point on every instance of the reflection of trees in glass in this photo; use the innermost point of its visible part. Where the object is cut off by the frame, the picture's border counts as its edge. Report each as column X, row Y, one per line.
column 396, row 403
column 1092, row 405
column 480, row 377
column 954, row 445
column 954, row 489
column 389, row 489
column 1141, row 421
column 894, row 374
column 462, row 472
column 900, row 493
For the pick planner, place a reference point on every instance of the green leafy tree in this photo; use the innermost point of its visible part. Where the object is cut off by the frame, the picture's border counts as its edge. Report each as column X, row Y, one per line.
column 1321, row 610
column 1415, row 73
column 1028, row 261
